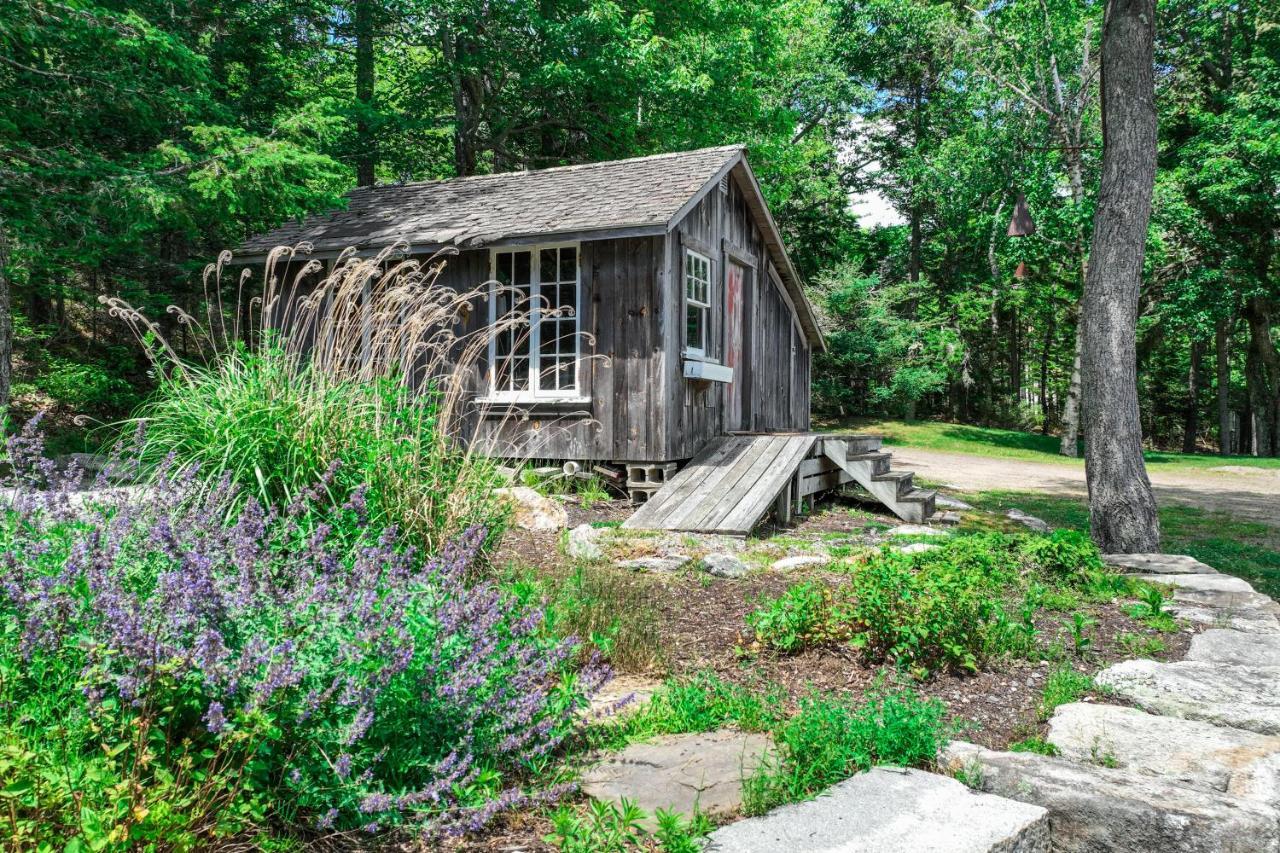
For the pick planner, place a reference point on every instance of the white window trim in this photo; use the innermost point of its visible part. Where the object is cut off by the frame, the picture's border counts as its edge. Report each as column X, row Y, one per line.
column 534, row 393
column 690, row 351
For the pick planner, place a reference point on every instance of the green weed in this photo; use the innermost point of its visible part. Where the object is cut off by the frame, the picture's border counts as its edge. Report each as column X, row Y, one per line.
column 1064, row 685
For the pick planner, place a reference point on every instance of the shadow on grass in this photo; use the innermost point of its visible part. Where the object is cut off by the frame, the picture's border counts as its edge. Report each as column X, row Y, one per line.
column 1029, row 441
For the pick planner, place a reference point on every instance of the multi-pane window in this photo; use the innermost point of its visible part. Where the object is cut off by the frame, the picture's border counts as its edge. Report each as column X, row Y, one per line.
column 697, row 303
column 535, row 306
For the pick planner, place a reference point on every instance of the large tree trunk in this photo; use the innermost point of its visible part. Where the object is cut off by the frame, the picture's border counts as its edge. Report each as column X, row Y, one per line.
column 1221, row 339
column 367, row 155
column 1191, row 419
column 1122, row 507
column 1262, row 370
column 1070, row 443
column 6, row 328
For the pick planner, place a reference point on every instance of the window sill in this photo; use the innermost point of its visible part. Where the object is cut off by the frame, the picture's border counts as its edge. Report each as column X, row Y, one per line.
column 527, row 407
column 707, row 371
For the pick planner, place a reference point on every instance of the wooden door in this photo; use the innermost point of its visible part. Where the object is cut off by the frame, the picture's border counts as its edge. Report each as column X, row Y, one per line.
column 735, row 354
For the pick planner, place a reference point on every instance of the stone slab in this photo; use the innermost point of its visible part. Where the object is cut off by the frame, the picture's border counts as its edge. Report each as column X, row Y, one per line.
column 1189, row 752
column 724, row 565
column 789, row 564
column 916, row 548
column 889, row 809
column 1243, row 697
column 654, row 564
column 1038, row 525
column 1163, row 564
column 680, row 772
column 1094, row 808
column 1240, row 648
column 916, row 530
column 1219, row 600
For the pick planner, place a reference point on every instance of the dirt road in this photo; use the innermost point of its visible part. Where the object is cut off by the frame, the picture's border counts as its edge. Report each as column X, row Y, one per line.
column 1252, row 493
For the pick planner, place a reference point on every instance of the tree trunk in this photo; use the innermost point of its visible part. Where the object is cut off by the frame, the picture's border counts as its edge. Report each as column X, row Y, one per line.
column 1070, row 444
column 1191, row 420
column 1221, row 339
column 1262, row 370
column 1050, row 325
column 1122, row 507
column 6, row 329
column 367, row 155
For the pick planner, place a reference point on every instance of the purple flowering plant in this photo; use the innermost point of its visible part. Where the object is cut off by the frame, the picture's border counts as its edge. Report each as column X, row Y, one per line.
column 177, row 662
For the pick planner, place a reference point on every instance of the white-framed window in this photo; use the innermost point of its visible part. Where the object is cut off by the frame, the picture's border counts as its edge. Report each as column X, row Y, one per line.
column 534, row 302
column 697, row 304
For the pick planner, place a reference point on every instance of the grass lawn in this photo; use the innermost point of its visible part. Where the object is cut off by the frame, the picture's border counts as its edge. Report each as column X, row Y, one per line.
column 1246, row 549
column 1013, row 444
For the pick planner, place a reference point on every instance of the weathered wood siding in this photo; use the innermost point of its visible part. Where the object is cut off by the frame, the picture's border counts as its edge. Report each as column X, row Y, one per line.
column 776, row 387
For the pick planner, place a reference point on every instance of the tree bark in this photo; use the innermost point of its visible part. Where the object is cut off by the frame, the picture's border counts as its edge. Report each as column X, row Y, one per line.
column 1262, row 371
column 6, row 329
column 1191, row 419
column 1222, row 337
column 367, row 156
column 1122, row 507
column 1070, row 443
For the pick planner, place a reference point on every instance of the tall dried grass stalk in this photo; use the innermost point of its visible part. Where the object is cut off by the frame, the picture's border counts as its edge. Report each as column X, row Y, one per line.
column 383, row 322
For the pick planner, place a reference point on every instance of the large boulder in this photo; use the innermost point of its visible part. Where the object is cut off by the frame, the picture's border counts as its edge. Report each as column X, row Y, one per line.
column 1245, row 697
column 916, row 530
column 889, row 809
column 680, row 773
column 1093, row 808
column 1192, row 753
column 532, row 510
column 1240, row 648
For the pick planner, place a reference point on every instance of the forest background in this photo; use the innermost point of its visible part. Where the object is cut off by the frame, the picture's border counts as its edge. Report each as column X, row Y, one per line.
column 137, row 139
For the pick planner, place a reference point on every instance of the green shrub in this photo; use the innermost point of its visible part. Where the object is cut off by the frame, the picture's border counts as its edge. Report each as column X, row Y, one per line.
column 278, row 427
column 803, row 615
column 1063, row 554
column 831, row 738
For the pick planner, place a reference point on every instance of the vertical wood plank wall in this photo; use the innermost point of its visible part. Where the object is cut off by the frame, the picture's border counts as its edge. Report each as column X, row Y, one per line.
column 778, row 393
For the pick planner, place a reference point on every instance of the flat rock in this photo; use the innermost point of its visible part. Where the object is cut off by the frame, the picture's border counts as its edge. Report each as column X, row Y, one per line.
column 1094, row 808
column 946, row 518
column 915, row 530
column 1038, row 525
column 1161, row 564
column 654, row 564
column 889, row 809
column 916, row 548
column 532, row 510
column 724, row 565
column 790, row 564
column 1245, row 697
column 621, row 695
column 942, row 501
column 1241, row 648
column 1193, row 753
column 680, row 772
column 586, row 542
column 1219, row 600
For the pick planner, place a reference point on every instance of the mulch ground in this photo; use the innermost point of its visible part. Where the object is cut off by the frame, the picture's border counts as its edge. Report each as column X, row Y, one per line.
column 702, row 622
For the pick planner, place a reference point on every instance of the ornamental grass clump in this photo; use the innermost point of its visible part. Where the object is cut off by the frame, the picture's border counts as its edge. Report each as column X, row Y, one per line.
column 177, row 664
column 363, row 361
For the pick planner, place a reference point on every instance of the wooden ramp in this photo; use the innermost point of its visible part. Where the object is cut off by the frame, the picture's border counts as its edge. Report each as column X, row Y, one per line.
column 735, row 480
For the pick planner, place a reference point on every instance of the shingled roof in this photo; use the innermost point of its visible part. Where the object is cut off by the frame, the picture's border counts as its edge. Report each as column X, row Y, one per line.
column 643, row 194
column 486, row 208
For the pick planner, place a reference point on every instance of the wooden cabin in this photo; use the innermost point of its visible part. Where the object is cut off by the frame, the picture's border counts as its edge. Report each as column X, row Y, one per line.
column 672, row 317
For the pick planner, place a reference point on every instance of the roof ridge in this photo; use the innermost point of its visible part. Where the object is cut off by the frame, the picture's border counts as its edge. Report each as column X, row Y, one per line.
column 667, row 155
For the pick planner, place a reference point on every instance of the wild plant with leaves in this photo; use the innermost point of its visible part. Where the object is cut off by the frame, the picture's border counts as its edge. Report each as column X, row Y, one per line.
column 178, row 664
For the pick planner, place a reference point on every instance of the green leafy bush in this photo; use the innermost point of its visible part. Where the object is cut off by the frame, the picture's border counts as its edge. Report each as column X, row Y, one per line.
column 831, row 738
column 803, row 615
column 601, row 827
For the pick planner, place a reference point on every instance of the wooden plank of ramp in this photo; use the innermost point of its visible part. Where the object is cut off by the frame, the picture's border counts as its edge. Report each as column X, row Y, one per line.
column 728, row 487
